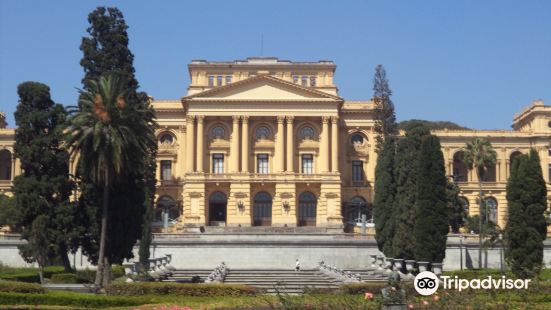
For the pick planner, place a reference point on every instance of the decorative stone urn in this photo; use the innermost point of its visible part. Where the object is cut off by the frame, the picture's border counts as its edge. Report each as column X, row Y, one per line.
column 423, row 266
column 388, row 265
column 437, row 268
column 410, row 266
column 373, row 261
column 380, row 263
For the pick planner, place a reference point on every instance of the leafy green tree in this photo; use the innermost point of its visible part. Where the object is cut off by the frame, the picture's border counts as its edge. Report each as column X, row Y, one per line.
column 44, row 186
column 406, row 162
column 8, row 213
column 111, row 138
column 479, row 155
column 456, row 210
column 385, row 190
column 38, row 248
column 526, row 227
column 432, row 125
column 431, row 220
column 385, row 117
column 105, row 51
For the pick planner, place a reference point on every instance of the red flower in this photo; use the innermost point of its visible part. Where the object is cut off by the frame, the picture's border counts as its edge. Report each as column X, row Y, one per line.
column 368, row 296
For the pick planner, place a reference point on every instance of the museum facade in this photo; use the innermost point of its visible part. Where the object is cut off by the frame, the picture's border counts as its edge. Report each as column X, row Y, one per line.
column 268, row 142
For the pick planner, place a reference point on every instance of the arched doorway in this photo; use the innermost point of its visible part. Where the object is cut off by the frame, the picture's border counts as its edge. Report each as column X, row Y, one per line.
column 512, row 157
column 460, row 169
column 357, row 208
column 218, row 203
column 491, row 209
column 166, row 204
column 262, row 209
column 307, row 205
column 5, row 165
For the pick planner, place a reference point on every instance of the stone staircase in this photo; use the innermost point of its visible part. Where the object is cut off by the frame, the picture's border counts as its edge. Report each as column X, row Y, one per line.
column 185, row 276
column 282, row 281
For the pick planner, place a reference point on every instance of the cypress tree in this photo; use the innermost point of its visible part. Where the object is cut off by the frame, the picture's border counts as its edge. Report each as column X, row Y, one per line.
column 44, row 187
column 526, row 227
column 456, row 211
column 105, row 51
column 385, row 190
column 431, row 224
column 407, row 156
column 384, row 115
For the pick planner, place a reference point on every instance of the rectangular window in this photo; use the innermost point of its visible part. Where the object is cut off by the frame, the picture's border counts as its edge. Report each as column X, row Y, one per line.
column 218, row 163
column 295, row 79
column 549, row 173
column 219, row 80
column 211, row 80
column 357, row 170
column 166, row 170
column 228, row 79
column 549, row 152
column 262, row 164
column 307, row 164
column 312, row 81
column 304, row 80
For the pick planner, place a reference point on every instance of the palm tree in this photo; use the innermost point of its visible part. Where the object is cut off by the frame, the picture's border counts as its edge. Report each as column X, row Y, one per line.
column 479, row 155
column 109, row 135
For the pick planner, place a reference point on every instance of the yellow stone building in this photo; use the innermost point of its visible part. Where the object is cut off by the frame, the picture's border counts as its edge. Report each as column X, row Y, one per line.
column 268, row 142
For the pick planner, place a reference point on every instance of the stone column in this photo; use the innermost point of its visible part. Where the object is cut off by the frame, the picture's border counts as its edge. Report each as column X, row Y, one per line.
column 324, row 145
column 190, row 135
column 200, row 146
column 334, row 144
column 280, row 145
column 245, row 144
column 234, row 146
column 290, row 145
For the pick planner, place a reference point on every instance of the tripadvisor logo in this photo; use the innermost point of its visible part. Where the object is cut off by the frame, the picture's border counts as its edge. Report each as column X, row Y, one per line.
column 426, row 283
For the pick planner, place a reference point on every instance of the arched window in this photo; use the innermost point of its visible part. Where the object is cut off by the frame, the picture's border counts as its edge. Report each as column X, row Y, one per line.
column 465, row 204
column 512, row 157
column 218, row 132
column 356, row 209
column 307, row 133
column 5, row 165
column 491, row 209
column 489, row 174
column 166, row 139
column 167, row 204
column 307, row 205
column 217, row 197
column 262, row 209
column 460, row 169
column 357, row 139
column 262, row 132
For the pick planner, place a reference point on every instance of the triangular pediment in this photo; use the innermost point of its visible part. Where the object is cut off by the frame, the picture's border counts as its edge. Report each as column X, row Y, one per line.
column 262, row 87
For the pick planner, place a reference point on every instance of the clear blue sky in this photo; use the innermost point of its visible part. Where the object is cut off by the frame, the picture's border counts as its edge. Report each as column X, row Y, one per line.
column 472, row 62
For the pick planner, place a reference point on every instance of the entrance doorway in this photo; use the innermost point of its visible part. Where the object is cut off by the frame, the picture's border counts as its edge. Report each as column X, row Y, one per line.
column 262, row 210
column 307, row 205
column 218, row 203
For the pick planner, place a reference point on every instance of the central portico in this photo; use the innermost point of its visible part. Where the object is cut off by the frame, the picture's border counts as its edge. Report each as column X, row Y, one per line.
column 262, row 151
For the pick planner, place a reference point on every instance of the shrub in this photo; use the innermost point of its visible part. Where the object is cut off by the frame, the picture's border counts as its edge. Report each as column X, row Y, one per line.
column 372, row 287
column 85, row 275
column 156, row 288
column 70, row 299
column 118, row 271
column 64, row 278
column 27, row 274
column 19, row 287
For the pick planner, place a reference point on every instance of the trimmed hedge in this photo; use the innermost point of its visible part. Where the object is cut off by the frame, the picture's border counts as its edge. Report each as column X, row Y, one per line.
column 373, row 287
column 70, row 299
column 29, row 275
column 20, row 287
column 186, row 289
column 64, row 278
column 89, row 275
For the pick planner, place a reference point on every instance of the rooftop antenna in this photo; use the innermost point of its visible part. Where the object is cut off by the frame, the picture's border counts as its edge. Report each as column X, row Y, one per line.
column 261, row 44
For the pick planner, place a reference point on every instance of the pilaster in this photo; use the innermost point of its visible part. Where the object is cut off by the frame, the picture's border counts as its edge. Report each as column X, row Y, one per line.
column 234, row 146
column 280, row 145
column 200, row 143
column 290, row 144
column 334, row 144
column 190, row 136
column 284, row 206
column 240, row 194
column 324, row 146
column 245, row 144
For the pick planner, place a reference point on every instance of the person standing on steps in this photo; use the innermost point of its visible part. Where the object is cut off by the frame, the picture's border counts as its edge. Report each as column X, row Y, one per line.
column 297, row 265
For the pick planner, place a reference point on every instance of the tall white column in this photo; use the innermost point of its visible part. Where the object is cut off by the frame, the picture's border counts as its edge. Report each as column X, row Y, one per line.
column 290, row 144
column 324, row 147
column 200, row 146
column 245, row 144
column 190, row 136
column 334, row 144
column 234, row 146
column 280, row 145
